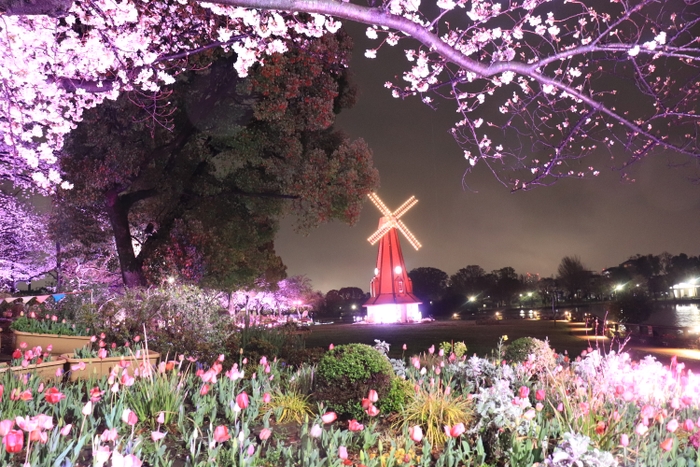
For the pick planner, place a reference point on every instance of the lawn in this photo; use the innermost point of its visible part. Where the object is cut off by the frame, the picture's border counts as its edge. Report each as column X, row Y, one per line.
column 480, row 338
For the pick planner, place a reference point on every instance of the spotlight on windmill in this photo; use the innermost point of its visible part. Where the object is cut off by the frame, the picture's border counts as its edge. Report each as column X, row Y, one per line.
column 391, row 291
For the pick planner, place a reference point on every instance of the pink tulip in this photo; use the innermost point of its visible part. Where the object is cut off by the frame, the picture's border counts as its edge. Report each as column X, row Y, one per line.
column 529, row 415
column 221, row 434
column 267, row 398
column 331, row 347
column 129, row 417
column 265, row 434
column 251, row 450
column 242, row 400
column 354, row 425
column 372, row 411
column 101, row 455
column 539, row 395
column 102, row 353
column 161, row 418
column 263, row 361
column 523, row 392
column 87, row 408
column 157, row 436
column 415, row 433
column 641, row 429
column 404, row 347
column 431, row 349
column 373, row 396
column 204, row 390
column 109, row 435
column 329, row 417
column 343, row 452
column 624, row 440
column 65, row 431
column 688, row 425
column 6, row 426
column 455, row 431
column 315, row 431
column 672, row 425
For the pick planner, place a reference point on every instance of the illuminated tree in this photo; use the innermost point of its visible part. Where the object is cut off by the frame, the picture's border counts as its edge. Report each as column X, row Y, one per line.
column 26, row 250
column 201, row 200
column 538, row 85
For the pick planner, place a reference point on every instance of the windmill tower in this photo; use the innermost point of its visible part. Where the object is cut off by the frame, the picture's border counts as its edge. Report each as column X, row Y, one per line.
column 391, row 291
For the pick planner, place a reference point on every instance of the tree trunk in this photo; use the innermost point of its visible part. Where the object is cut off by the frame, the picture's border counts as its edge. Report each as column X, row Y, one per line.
column 130, row 266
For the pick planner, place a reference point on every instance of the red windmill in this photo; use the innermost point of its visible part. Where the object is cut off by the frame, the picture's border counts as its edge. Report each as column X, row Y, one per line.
column 392, row 299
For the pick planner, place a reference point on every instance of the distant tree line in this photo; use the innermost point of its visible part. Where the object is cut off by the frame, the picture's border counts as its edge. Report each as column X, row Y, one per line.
column 471, row 288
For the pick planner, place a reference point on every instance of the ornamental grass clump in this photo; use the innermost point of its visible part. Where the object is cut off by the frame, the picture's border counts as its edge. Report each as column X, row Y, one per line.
column 433, row 408
column 289, row 406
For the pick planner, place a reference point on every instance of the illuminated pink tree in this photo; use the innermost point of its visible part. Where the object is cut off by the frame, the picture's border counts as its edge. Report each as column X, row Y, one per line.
column 537, row 85
column 26, row 252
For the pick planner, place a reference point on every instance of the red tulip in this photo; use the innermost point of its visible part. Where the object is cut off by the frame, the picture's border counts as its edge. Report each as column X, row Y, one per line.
column 353, row 425
column 13, row 441
column 242, row 400
column 54, row 396
column 667, row 444
column 539, row 394
column 17, row 354
column 221, row 434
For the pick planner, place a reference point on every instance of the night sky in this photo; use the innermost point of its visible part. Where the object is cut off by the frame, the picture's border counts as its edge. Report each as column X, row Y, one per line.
column 602, row 220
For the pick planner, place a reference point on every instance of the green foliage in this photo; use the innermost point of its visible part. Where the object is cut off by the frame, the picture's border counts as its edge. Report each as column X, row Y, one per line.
column 161, row 392
column 399, row 393
column 519, row 350
column 631, row 309
column 347, row 373
column 261, row 341
column 47, row 326
column 459, row 348
column 178, row 319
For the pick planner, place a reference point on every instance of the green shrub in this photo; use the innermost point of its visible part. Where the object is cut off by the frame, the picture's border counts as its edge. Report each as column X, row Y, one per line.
column 400, row 392
column 347, row 373
column 520, row 349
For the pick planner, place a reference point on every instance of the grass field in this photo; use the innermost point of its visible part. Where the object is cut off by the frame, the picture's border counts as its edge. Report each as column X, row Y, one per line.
column 480, row 338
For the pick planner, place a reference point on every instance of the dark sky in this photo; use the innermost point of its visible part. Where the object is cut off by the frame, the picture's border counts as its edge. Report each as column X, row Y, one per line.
column 602, row 220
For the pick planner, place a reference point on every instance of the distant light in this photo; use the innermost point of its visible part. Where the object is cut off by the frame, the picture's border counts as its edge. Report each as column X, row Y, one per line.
column 472, row 299
column 397, row 270
column 354, row 307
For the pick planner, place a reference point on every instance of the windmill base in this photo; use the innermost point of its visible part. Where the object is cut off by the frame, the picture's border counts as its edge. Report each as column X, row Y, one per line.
column 393, row 313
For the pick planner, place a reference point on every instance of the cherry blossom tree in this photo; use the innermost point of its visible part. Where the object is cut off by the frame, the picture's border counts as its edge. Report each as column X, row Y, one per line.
column 26, row 251
column 538, row 85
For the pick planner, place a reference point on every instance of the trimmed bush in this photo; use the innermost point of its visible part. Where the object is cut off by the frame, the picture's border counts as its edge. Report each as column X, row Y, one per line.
column 347, row 373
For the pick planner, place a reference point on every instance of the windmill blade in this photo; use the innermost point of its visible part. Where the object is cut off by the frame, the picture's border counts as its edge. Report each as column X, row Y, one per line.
column 405, row 207
column 409, row 236
column 381, row 231
column 380, row 205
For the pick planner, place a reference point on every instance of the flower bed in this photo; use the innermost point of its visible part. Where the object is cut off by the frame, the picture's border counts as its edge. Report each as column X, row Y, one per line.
column 598, row 410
